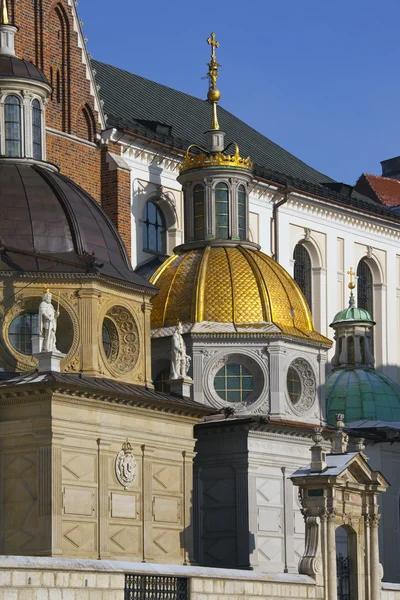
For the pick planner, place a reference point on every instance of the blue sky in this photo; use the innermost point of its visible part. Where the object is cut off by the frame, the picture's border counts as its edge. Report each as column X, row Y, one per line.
column 319, row 77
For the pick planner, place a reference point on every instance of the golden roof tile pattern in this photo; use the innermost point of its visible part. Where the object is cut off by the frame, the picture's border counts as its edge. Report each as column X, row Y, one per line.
column 230, row 285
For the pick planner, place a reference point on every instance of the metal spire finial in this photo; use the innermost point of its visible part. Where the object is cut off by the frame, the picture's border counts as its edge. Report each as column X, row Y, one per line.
column 351, row 285
column 213, row 94
column 4, row 20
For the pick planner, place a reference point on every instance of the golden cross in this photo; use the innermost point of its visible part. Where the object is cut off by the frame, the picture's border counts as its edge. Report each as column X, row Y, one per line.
column 352, row 273
column 213, row 43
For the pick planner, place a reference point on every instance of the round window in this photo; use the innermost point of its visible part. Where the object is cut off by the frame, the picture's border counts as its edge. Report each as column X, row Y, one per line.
column 233, row 382
column 293, row 382
column 21, row 330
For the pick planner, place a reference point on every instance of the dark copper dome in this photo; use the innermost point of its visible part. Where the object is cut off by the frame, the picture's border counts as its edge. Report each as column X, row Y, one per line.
column 50, row 224
column 11, row 66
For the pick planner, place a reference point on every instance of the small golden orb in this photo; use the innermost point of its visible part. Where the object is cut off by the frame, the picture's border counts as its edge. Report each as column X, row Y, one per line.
column 213, row 95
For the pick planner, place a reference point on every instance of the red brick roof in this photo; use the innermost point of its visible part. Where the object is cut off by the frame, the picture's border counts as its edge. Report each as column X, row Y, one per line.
column 387, row 190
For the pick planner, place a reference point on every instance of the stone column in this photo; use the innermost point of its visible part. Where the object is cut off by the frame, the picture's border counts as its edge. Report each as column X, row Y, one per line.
column 277, row 379
column 374, row 558
column 331, row 559
column 245, row 540
column 188, row 542
column 50, row 501
column 147, row 308
column 147, row 503
column 102, row 497
column 367, row 558
column 88, row 317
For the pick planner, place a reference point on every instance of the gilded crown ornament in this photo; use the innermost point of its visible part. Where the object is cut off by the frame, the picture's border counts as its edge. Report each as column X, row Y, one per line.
column 214, row 159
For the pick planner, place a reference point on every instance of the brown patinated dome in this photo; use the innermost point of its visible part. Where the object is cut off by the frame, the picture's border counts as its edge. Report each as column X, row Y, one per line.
column 50, row 224
column 11, row 66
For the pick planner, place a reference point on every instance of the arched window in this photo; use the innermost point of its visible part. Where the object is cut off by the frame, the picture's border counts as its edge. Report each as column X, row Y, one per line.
column 37, row 129
column 154, row 229
column 365, row 287
column 362, row 349
column 222, row 211
column 303, row 272
column 350, row 351
column 198, row 202
column 13, row 126
column 242, row 212
column 160, row 382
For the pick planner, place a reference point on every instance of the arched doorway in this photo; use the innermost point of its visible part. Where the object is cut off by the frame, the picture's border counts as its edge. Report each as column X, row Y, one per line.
column 346, row 563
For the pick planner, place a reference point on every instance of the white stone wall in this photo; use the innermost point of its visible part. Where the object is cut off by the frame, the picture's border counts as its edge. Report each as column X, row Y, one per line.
column 29, row 578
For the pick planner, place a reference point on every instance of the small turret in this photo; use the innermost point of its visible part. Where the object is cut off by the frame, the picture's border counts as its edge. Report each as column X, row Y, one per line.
column 353, row 334
column 7, row 31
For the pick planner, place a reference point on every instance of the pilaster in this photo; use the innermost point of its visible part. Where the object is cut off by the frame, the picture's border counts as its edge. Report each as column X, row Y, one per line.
column 147, row 503
column 103, row 497
column 277, row 378
column 147, row 308
column 88, row 317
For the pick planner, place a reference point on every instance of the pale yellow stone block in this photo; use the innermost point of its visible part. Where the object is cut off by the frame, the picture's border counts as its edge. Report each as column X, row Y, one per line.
column 293, row 591
column 82, row 594
column 302, row 591
column 55, row 594
column 18, row 578
column 117, row 582
column 5, row 578
column 229, row 587
column 77, row 580
column 267, row 589
column 34, row 578
column 90, row 578
column 68, row 595
column 112, row 595
column 62, row 580
column 208, row 586
column 257, row 588
column 248, row 588
column 196, row 585
column 95, row 594
column 239, row 587
column 103, row 580
column 311, row 592
column 48, row 579
column 44, row 594
column 218, row 586
column 8, row 595
column 27, row 594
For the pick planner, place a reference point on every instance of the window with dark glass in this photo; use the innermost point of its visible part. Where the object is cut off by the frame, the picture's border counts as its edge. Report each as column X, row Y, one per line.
column 302, row 272
column 293, row 383
column 362, row 349
column 242, row 212
column 21, row 330
column 160, row 382
column 233, row 383
column 37, row 129
column 350, row 351
column 154, row 228
column 222, row 211
column 13, row 126
column 365, row 288
column 198, row 201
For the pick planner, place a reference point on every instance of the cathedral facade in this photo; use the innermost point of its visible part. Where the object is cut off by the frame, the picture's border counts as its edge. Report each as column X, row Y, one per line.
column 125, row 231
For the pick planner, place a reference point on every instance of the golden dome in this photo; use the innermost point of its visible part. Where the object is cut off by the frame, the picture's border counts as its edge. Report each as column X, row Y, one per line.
column 235, row 285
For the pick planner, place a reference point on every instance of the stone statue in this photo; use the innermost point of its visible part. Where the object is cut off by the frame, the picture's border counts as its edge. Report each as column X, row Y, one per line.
column 47, row 323
column 180, row 362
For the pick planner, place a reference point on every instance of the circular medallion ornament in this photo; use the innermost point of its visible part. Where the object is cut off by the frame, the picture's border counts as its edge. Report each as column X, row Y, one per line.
column 301, row 385
column 125, row 465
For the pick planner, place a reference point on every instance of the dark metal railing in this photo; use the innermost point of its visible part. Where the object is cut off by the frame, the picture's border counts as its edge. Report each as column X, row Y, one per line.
column 343, row 577
column 156, row 587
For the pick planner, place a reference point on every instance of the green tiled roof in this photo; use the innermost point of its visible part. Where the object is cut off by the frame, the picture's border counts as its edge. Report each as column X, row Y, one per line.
column 352, row 313
column 361, row 394
column 177, row 120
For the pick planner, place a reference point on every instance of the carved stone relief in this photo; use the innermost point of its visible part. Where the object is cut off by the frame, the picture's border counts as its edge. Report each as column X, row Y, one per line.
column 308, row 386
column 125, row 466
column 124, row 336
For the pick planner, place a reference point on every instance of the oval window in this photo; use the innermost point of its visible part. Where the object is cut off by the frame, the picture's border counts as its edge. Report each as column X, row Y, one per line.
column 293, row 383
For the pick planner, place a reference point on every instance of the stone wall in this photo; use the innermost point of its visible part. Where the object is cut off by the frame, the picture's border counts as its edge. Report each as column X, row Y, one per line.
column 26, row 578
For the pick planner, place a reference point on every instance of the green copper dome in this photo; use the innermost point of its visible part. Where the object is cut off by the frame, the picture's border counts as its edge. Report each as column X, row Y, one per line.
column 361, row 394
column 352, row 313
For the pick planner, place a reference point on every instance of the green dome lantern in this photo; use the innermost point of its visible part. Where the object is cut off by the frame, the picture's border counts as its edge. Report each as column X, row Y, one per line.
column 354, row 388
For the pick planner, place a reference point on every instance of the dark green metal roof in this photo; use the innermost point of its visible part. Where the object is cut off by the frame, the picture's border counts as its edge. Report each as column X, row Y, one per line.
column 176, row 119
column 361, row 394
column 352, row 313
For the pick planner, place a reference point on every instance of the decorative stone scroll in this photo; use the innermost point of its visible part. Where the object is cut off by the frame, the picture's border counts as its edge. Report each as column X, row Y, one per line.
column 125, row 465
column 124, row 340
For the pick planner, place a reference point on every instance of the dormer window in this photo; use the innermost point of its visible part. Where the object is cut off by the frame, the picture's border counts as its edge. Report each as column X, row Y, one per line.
column 37, row 130
column 13, row 126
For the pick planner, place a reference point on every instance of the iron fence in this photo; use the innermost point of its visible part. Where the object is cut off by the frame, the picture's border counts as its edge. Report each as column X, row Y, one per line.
column 156, row 587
